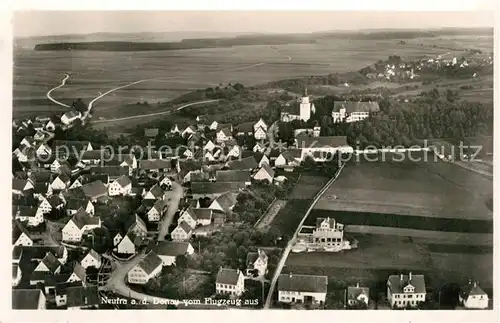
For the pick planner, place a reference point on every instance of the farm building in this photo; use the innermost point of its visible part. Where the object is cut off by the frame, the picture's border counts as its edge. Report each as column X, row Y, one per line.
column 309, row 289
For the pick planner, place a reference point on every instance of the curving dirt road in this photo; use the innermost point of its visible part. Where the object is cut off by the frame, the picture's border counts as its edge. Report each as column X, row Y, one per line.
column 91, row 103
column 49, row 96
column 279, row 53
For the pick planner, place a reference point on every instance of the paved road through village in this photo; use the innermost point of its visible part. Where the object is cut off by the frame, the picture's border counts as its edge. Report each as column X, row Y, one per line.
column 177, row 194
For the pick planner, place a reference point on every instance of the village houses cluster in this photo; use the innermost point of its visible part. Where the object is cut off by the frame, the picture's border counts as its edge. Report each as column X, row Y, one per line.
column 62, row 186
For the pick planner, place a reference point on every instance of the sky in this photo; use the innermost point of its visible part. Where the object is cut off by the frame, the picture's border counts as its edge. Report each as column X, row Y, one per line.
column 41, row 23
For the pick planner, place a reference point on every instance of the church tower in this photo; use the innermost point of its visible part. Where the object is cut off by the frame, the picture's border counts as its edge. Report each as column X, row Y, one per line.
column 305, row 106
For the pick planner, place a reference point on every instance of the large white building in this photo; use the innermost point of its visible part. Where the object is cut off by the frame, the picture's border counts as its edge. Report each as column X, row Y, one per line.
column 310, row 289
column 299, row 111
column 328, row 233
column 406, row 290
column 353, row 111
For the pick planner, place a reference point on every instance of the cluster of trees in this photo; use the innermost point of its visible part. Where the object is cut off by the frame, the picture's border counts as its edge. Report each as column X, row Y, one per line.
column 252, row 204
column 171, row 283
column 79, row 105
column 198, row 43
column 433, row 115
column 297, row 85
column 230, row 246
column 225, row 92
column 83, row 133
column 330, row 167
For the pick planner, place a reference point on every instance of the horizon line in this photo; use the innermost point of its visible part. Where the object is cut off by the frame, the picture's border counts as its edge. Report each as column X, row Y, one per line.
column 260, row 32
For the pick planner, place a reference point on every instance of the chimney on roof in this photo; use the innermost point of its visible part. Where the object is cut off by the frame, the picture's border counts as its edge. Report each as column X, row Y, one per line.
column 357, row 285
column 475, row 284
column 409, row 277
column 401, row 278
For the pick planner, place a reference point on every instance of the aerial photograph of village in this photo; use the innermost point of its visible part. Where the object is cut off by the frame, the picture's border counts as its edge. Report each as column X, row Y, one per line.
column 232, row 160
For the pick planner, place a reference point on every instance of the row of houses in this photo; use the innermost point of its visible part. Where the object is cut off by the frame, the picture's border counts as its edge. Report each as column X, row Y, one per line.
column 46, row 125
column 223, row 132
column 45, row 275
column 403, row 291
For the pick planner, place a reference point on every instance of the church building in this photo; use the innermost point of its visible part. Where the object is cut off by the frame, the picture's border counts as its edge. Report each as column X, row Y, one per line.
column 300, row 110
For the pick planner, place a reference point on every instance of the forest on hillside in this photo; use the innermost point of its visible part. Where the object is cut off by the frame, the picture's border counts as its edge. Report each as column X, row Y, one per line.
column 435, row 115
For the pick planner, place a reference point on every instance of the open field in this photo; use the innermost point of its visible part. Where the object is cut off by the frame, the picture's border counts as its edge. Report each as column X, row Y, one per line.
column 421, row 189
column 427, row 236
column 308, row 186
column 454, row 44
column 289, row 217
column 380, row 256
column 176, row 72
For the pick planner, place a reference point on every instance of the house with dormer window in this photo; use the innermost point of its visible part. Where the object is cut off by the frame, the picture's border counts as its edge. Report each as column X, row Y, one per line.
column 406, row 290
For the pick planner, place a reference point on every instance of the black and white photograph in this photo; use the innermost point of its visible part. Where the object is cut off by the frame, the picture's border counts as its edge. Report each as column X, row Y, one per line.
column 252, row 160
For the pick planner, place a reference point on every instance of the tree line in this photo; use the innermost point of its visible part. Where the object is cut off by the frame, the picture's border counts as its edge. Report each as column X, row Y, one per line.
column 434, row 115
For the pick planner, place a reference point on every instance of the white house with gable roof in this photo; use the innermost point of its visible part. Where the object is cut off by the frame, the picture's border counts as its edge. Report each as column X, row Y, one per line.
column 230, row 282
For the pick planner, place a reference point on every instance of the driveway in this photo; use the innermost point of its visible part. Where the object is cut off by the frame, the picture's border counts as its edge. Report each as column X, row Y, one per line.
column 175, row 197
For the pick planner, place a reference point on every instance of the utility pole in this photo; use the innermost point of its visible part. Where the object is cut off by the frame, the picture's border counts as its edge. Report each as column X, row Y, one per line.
column 199, row 247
